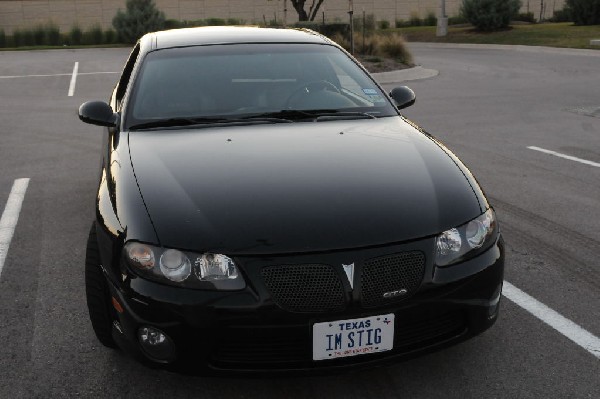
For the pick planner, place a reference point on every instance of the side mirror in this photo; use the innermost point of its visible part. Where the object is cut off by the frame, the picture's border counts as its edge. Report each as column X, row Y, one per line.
column 97, row 113
column 403, row 97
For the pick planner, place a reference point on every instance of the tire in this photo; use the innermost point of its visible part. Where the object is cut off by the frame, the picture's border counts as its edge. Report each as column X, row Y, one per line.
column 97, row 294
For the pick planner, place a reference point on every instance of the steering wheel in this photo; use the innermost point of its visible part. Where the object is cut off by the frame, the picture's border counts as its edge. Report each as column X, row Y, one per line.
column 312, row 87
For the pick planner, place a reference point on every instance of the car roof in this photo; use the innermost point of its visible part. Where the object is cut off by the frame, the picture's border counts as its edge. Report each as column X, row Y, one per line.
column 230, row 35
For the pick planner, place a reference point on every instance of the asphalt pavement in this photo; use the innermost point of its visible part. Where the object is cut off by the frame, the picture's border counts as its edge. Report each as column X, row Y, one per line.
column 489, row 104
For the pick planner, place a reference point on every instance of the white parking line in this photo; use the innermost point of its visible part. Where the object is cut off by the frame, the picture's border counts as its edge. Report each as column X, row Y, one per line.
column 569, row 157
column 10, row 217
column 55, row 74
column 566, row 327
column 73, row 79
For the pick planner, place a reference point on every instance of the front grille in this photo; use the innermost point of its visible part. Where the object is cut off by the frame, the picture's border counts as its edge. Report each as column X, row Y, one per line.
column 305, row 288
column 403, row 271
column 276, row 347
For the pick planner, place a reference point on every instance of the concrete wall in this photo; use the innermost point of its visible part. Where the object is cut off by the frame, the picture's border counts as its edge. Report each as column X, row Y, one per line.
column 86, row 13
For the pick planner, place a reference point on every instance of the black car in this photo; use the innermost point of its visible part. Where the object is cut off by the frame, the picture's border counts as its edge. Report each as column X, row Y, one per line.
column 263, row 207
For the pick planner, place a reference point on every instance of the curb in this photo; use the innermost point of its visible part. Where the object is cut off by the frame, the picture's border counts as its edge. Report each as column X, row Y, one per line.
column 519, row 48
column 403, row 75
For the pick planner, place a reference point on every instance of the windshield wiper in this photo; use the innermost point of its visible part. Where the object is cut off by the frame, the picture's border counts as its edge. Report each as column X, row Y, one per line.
column 313, row 114
column 183, row 122
column 172, row 122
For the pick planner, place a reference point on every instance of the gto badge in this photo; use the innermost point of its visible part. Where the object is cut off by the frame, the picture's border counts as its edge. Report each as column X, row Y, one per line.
column 349, row 269
column 393, row 294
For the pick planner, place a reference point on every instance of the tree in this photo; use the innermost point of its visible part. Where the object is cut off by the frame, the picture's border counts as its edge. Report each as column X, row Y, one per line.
column 140, row 17
column 584, row 12
column 312, row 11
column 489, row 15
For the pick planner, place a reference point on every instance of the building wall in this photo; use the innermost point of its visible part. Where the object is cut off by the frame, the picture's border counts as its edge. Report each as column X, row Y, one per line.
column 16, row 14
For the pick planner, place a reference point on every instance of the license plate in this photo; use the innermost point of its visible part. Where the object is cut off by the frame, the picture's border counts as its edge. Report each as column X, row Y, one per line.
column 342, row 338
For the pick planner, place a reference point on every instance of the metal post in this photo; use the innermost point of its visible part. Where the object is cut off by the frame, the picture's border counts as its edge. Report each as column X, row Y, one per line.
column 442, row 22
column 351, row 13
column 541, row 9
column 364, row 27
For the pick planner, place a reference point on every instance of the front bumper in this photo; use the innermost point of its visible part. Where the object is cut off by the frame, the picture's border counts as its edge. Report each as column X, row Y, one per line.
column 246, row 332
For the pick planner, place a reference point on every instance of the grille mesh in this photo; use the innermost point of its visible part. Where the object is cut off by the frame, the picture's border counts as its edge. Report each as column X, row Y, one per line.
column 391, row 273
column 304, row 288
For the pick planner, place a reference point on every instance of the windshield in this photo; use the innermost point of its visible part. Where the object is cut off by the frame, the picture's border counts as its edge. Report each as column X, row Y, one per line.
column 226, row 82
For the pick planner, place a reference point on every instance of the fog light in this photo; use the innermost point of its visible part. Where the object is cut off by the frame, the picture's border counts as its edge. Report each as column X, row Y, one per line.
column 156, row 344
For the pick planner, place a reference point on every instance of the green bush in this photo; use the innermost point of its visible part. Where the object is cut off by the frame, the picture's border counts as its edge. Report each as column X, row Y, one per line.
column 2, row 38
column 563, row 15
column 215, row 21
column 415, row 20
column 430, row 19
column 139, row 18
column 525, row 17
column 331, row 28
column 235, row 21
column 39, row 35
column 400, row 23
column 584, row 12
column 75, row 35
column 28, row 37
column 17, row 38
column 110, row 36
column 457, row 20
column 490, row 15
column 53, row 37
column 383, row 24
column 174, row 24
column 94, row 35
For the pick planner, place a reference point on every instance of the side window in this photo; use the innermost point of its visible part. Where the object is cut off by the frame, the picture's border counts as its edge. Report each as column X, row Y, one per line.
column 124, row 81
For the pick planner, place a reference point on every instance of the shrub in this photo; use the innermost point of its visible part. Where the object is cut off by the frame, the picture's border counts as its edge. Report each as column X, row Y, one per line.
column 391, row 46
column 584, row 12
column 394, row 46
column 235, row 21
column 75, row 35
column 414, row 19
column 53, row 37
column 525, row 17
column 39, row 35
column 215, row 21
column 2, row 38
column 383, row 24
column 457, row 20
column 331, row 28
column 174, row 24
column 17, row 38
column 400, row 23
column 489, row 15
column 94, row 35
column 430, row 19
column 28, row 37
column 563, row 15
column 140, row 17
column 110, row 36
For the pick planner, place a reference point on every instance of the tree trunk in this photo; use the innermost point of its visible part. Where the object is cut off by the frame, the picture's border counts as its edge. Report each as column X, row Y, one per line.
column 299, row 7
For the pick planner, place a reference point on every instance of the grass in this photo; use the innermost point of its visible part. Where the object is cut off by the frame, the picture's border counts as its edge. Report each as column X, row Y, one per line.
column 64, row 47
column 563, row 34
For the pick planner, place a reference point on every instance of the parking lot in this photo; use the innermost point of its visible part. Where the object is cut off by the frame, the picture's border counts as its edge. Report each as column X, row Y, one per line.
column 521, row 119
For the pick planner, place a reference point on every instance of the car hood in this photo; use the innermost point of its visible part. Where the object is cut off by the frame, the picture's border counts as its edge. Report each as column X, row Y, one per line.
column 301, row 187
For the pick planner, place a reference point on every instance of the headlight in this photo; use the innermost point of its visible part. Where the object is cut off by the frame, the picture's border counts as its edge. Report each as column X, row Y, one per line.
column 454, row 244
column 182, row 268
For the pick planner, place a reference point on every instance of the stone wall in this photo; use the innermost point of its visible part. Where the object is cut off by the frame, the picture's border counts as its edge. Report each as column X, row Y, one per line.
column 16, row 14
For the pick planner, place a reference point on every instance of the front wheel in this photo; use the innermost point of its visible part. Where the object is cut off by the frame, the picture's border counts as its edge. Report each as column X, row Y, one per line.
column 97, row 294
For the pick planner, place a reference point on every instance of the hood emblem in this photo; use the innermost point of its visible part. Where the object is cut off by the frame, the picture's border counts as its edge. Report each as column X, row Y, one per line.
column 349, row 269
